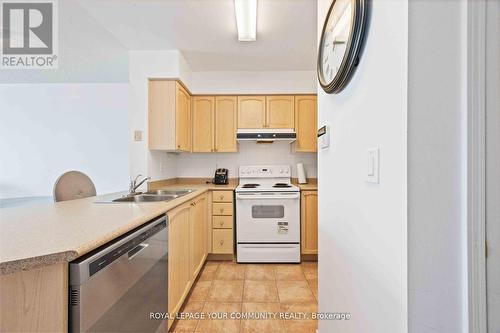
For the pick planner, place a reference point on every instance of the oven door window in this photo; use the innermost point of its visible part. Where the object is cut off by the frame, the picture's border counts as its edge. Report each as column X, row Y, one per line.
column 268, row 211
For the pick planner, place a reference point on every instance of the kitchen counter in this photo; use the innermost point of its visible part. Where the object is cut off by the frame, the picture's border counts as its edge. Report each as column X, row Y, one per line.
column 312, row 184
column 43, row 235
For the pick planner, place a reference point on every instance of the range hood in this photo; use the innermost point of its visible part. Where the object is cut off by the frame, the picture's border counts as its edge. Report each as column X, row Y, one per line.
column 266, row 134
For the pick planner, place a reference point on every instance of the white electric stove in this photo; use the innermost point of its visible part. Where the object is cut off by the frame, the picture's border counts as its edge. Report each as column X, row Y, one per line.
column 267, row 215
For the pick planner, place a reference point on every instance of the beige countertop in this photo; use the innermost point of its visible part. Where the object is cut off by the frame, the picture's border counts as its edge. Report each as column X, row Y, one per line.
column 35, row 236
column 312, row 184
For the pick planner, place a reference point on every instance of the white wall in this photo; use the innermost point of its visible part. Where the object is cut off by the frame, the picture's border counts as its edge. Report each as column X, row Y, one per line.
column 362, row 227
column 250, row 153
column 493, row 163
column 253, row 82
column 144, row 65
column 47, row 129
column 437, row 250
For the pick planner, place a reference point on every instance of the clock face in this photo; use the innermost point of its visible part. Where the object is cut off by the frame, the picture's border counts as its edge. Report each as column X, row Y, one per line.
column 335, row 38
column 341, row 43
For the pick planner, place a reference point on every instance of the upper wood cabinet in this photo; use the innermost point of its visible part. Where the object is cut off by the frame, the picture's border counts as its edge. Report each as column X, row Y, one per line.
column 251, row 111
column 226, row 124
column 309, row 222
column 203, row 123
column 306, row 123
column 214, row 124
column 279, row 112
column 169, row 116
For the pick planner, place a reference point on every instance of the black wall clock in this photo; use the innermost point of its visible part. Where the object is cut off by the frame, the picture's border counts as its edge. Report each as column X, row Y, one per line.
column 341, row 42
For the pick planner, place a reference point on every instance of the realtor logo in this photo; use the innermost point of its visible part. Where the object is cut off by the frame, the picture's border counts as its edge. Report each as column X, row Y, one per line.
column 29, row 38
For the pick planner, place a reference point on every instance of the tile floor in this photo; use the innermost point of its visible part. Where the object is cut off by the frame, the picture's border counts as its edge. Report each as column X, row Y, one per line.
column 227, row 287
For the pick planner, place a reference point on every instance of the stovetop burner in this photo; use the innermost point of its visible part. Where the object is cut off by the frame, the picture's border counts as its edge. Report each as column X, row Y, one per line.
column 282, row 185
column 250, row 185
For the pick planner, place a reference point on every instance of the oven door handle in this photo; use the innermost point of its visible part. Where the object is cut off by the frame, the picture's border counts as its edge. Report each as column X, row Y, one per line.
column 258, row 196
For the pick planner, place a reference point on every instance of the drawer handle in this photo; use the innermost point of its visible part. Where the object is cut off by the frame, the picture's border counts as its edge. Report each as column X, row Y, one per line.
column 221, row 242
column 221, row 197
column 221, row 210
column 221, row 223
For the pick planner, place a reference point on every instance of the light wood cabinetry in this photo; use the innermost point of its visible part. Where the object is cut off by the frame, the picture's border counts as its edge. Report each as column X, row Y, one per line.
column 198, row 224
column 280, row 112
column 226, row 124
column 187, row 248
column 35, row 300
column 222, row 222
column 251, row 111
column 214, row 124
column 306, row 123
column 203, row 123
column 179, row 268
column 309, row 222
column 169, row 116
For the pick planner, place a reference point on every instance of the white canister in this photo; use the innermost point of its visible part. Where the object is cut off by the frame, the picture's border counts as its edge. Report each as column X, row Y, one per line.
column 301, row 174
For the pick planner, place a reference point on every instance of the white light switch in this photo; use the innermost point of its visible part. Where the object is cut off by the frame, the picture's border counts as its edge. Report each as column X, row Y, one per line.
column 137, row 135
column 373, row 174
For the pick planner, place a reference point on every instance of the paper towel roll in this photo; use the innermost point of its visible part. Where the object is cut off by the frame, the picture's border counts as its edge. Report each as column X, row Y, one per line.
column 301, row 174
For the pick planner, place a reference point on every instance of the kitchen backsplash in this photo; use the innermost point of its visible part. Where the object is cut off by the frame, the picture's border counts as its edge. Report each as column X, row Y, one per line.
column 250, row 153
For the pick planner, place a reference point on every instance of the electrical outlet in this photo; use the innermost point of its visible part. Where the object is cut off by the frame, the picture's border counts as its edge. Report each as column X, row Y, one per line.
column 373, row 172
column 137, row 135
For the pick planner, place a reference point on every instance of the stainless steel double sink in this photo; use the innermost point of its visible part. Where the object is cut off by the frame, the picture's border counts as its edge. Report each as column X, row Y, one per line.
column 153, row 196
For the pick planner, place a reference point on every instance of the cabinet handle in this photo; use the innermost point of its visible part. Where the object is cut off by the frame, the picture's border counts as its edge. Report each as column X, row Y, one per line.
column 221, row 210
column 221, row 197
column 221, row 223
column 221, row 242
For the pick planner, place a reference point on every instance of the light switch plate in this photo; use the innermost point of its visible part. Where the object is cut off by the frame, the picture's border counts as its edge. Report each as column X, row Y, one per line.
column 373, row 165
column 137, row 135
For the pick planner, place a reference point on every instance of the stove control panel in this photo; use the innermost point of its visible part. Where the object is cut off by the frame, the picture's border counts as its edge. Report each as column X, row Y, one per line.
column 270, row 171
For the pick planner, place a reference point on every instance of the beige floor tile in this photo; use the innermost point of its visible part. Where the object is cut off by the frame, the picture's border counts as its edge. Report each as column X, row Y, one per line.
column 230, row 272
column 212, row 263
column 219, row 325
column 303, row 325
column 226, row 291
column 260, row 291
column 289, row 273
column 188, row 325
column 313, row 284
column 208, row 273
column 200, row 291
column 294, row 292
column 262, row 325
column 310, row 271
column 258, row 272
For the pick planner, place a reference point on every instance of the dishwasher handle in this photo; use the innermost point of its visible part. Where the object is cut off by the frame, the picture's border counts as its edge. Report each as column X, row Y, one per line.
column 136, row 250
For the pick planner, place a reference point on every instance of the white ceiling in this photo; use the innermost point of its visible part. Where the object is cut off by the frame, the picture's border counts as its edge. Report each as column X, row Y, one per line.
column 205, row 31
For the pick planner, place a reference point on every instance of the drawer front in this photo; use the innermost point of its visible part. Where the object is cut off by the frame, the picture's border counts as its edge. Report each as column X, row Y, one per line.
column 222, row 222
column 222, row 196
column 222, row 241
column 222, row 208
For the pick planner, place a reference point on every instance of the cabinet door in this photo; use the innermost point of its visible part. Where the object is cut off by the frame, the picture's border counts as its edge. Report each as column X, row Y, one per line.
column 306, row 123
column 198, row 240
column 251, row 111
column 309, row 222
column 179, row 272
column 226, row 123
column 203, row 123
column 161, row 115
column 182, row 119
column 280, row 112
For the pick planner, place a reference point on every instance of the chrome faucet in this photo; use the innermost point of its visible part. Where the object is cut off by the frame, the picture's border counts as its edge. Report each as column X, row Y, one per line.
column 134, row 185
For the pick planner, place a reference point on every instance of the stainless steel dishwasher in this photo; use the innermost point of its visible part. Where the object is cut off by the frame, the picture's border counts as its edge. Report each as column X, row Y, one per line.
column 117, row 286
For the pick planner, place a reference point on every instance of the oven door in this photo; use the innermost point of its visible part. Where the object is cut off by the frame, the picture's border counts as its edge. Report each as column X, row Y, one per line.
column 268, row 217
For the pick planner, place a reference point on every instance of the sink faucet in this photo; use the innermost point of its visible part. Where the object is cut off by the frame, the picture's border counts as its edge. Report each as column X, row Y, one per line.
column 134, row 185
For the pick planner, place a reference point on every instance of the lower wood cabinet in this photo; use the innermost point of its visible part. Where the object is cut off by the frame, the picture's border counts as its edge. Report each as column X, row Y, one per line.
column 222, row 222
column 309, row 222
column 187, row 248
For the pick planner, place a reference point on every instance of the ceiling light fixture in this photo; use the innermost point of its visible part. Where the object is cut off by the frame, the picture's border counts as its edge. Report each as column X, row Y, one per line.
column 246, row 19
